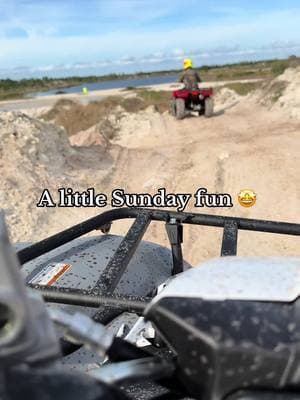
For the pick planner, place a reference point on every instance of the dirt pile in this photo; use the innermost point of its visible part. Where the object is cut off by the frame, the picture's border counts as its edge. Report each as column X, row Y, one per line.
column 110, row 120
column 91, row 137
column 31, row 151
column 76, row 117
column 29, row 141
column 119, row 127
column 289, row 101
column 35, row 112
column 134, row 127
column 282, row 94
column 225, row 98
column 104, row 117
column 35, row 155
column 290, row 75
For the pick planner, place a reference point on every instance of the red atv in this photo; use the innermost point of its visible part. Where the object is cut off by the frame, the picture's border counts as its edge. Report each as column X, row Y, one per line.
column 199, row 100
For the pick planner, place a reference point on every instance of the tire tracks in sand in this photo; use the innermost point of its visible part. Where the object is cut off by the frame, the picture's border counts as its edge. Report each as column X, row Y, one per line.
column 247, row 146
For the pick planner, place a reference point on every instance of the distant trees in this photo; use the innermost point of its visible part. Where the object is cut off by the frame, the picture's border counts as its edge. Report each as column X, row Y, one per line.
column 10, row 88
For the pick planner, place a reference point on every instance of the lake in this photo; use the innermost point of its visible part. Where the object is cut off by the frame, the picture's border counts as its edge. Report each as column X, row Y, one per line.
column 124, row 83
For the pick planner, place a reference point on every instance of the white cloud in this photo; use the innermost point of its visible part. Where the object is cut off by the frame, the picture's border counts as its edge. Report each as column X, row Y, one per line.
column 148, row 62
column 129, row 46
column 45, row 68
column 113, row 44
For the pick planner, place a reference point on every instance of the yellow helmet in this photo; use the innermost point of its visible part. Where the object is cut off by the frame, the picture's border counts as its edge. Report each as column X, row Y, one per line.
column 187, row 63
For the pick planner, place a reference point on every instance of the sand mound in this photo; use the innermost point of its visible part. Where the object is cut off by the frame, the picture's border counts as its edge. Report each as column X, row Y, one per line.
column 35, row 112
column 60, row 107
column 90, row 137
column 118, row 127
column 76, row 117
column 289, row 100
column 226, row 98
column 102, row 132
column 132, row 128
column 290, row 75
column 31, row 152
column 282, row 94
column 35, row 155
column 25, row 140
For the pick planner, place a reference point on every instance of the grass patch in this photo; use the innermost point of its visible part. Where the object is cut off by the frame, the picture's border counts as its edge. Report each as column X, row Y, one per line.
column 133, row 104
column 11, row 95
column 278, row 67
column 159, row 99
column 75, row 117
column 273, row 90
column 243, row 89
column 248, row 70
column 276, row 90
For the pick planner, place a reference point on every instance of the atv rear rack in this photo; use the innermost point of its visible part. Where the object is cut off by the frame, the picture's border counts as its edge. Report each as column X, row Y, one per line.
column 102, row 296
column 142, row 218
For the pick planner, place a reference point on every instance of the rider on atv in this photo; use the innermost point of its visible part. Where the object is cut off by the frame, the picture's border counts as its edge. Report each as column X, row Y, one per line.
column 189, row 76
column 191, row 97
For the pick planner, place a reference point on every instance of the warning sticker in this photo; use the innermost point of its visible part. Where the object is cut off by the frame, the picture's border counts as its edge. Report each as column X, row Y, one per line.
column 50, row 274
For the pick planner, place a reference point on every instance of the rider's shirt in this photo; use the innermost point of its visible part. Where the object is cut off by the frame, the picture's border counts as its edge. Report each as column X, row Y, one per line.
column 190, row 78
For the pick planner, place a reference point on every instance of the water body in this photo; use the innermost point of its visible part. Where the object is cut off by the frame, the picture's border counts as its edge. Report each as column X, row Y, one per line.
column 124, row 83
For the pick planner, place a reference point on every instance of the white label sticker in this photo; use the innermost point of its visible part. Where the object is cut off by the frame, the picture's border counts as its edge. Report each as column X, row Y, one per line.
column 50, row 274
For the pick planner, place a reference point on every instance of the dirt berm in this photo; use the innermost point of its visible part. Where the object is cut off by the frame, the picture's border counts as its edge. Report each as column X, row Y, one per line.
column 250, row 142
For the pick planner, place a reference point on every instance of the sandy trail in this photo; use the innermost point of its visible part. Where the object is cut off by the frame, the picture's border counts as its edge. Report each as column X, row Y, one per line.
column 243, row 146
column 227, row 153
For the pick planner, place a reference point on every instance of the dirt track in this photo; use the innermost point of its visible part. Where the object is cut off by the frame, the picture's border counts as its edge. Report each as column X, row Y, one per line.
column 243, row 146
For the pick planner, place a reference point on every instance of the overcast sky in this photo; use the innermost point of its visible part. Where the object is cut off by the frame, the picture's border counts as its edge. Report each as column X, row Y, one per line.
column 81, row 37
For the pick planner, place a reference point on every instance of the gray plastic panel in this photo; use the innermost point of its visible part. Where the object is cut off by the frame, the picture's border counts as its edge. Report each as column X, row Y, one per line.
column 239, row 278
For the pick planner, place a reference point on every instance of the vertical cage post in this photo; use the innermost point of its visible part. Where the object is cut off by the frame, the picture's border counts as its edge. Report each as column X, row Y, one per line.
column 175, row 235
column 230, row 235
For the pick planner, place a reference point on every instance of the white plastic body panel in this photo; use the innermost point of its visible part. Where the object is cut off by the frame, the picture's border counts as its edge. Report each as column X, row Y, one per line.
column 239, row 278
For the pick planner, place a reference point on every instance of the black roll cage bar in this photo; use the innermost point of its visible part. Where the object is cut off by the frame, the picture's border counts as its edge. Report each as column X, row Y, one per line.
column 174, row 222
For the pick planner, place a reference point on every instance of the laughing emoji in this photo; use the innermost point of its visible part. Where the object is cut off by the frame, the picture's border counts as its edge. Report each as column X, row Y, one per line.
column 247, row 198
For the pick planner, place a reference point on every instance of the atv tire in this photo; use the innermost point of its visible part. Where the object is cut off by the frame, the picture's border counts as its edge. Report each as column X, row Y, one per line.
column 208, row 107
column 173, row 108
column 180, row 108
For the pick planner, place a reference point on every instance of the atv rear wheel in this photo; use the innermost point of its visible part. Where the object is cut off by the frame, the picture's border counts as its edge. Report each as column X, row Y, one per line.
column 180, row 108
column 173, row 107
column 208, row 107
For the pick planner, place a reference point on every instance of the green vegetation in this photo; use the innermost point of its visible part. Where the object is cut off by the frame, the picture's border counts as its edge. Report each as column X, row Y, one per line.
column 11, row 89
column 278, row 67
column 75, row 117
column 276, row 90
column 159, row 99
column 243, row 88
